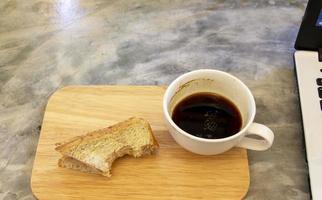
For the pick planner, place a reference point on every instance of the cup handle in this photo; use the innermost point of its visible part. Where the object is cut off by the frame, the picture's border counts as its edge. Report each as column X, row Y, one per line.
column 257, row 144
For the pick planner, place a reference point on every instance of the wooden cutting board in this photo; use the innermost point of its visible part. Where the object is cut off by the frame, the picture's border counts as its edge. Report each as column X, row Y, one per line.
column 172, row 173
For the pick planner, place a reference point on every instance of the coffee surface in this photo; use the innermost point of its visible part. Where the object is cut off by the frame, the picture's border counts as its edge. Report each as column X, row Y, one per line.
column 207, row 115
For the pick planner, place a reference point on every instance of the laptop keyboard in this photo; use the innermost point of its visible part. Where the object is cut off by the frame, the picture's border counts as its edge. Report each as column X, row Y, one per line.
column 319, row 83
column 309, row 78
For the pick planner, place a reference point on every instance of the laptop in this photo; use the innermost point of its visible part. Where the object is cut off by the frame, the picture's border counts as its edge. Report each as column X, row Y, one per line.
column 308, row 67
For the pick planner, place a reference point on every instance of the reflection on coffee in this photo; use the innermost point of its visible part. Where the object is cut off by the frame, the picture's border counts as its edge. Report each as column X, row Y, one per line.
column 207, row 115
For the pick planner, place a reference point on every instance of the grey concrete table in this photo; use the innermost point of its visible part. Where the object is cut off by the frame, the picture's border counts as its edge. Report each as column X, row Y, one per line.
column 48, row 44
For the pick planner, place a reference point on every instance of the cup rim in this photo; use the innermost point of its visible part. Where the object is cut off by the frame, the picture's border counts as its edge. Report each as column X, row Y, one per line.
column 185, row 75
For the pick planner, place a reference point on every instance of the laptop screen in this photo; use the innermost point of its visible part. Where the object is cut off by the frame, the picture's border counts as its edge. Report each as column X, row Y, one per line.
column 319, row 21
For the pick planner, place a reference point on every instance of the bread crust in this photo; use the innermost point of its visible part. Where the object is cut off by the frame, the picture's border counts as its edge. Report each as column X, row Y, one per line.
column 97, row 133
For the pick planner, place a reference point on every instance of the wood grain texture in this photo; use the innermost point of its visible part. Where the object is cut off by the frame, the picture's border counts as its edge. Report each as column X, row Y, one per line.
column 171, row 173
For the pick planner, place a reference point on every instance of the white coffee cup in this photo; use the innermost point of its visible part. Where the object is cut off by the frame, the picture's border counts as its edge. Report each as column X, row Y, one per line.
column 224, row 84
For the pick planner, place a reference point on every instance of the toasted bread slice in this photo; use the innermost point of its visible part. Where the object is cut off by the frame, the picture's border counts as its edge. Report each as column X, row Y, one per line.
column 96, row 151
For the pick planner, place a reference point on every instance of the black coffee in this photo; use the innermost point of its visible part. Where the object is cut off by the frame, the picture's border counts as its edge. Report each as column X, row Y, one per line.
column 207, row 115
